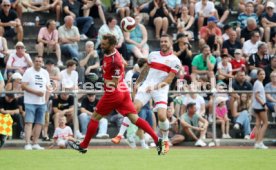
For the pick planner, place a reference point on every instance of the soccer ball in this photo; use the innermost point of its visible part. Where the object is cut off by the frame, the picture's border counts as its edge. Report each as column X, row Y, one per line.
column 128, row 24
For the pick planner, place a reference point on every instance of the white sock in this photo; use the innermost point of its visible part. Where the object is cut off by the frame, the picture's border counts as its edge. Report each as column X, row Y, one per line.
column 124, row 126
column 143, row 142
column 164, row 127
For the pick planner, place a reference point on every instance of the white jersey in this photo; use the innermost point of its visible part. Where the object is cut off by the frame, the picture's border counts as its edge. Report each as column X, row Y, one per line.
column 63, row 133
column 160, row 66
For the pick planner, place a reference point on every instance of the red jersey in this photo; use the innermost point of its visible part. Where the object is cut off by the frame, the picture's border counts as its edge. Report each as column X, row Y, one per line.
column 237, row 64
column 113, row 67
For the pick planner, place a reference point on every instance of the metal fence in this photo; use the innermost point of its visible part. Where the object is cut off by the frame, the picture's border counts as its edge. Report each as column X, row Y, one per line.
column 214, row 94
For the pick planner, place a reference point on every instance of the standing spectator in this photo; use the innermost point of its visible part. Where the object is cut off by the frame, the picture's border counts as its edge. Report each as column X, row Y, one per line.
column 211, row 35
column 241, row 114
column 260, row 110
column 2, row 83
column 93, row 8
column 251, row 46
column 269, row 20
column 222, row 116
column 9, row 105
column 194, row 125
column 10, row 21
column 88, row 105
column 35, row 83
column 224, row 69
column 250, row 27
column 112, row 28
column 122, row 7
column 69, row 76
column 90, row 62
column 238, row 63
column 185, row 22
column 258, row 60
column 229, row 46
column 269, row 69
column 203, row 66
column 48, row 37
column 69, row 37
column 271, row 97
column 19, row 61
column 159, row 17
column 136, row 40
column 73, row 9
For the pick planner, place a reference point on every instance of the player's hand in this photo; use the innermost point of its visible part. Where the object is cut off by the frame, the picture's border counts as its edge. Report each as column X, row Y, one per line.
column 149, row 89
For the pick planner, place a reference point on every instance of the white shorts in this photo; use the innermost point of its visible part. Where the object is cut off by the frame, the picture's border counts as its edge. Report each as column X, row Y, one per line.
column 160, row 96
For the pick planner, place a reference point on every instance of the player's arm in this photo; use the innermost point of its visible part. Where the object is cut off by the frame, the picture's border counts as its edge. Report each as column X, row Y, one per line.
column 143, row 74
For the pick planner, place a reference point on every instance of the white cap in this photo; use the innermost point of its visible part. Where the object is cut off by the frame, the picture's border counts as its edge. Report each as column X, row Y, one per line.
column 19, row 44
column 16, row 76
column 221, row 99
column 270, row 4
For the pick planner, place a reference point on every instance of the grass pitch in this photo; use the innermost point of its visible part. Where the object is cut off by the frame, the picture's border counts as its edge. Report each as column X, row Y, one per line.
column 128, row 159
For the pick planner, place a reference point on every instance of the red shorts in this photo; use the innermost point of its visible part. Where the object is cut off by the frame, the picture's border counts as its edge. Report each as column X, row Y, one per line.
column 119, row 101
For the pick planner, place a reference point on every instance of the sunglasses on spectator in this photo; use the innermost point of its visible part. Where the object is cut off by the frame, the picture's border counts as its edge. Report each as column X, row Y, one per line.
column 5, row 5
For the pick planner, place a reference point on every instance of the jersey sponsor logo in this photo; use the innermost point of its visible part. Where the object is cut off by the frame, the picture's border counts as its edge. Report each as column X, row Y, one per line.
column 117, row 72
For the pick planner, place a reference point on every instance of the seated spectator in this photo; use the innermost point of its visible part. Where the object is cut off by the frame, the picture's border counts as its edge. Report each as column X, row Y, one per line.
column 112, row 28
column 2, row 83
column 222, row 116
column 251, row 46
column 90, row 62
column 240, row 114
column 203, row 10
column 211, row 35
column 54, row 73
column 272, row 44
column 256, row 4
column 93, row 8
column 230, row 45
column 69, row 37
column 269, row 21
column 14, row 84
column 44, row 5
column 88, row 105
column 238, row 63
column 251, row 27
column 271, row 97
column 185, row 22
column 224, row 72
column 9, row 105
column 48, row 38
column 16, row 5
column 227, row 32
column 203, row 66
column 174, row 134
column 18, row 61
column 194, row 125
column 69, row 76
column 10, row 21
column 173, row 8
column 136, row 40
column 63, row 134
column 63, row 105
column 258, row 60
column 3, row 45
column 159, row 17
column 141, row 7
column 269, row 69
column 222, row 12
column 122, row 7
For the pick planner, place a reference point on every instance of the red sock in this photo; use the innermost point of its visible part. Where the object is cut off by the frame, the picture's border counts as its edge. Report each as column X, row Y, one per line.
column 141, row 123
column 91, row 131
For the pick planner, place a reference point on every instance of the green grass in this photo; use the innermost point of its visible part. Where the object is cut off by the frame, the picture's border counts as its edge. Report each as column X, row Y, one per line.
column 127, row 159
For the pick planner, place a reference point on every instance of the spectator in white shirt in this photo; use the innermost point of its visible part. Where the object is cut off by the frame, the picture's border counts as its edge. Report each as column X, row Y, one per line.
column 251, row 46
column 69, row 76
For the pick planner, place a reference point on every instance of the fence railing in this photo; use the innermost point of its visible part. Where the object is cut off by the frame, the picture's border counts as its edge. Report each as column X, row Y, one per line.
column 215, row 95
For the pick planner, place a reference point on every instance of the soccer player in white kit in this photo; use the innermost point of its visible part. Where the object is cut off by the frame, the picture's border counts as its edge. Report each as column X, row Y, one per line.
column 159, row 73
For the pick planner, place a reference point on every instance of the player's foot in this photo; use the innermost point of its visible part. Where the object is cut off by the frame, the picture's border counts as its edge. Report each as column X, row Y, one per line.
column 160, row 146
column 117, row 139
column 167, row 146
column 76, row 146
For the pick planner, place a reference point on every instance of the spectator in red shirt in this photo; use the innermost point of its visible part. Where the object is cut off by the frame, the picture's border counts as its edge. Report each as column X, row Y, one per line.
column 211, row 34
column 238, row 63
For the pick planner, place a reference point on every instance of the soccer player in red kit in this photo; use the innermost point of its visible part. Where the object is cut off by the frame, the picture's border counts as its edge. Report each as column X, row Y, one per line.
column 116, row 97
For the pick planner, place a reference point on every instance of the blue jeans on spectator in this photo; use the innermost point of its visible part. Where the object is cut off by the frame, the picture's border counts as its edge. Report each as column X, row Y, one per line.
column 85, row 119
column 71, row 49
column 146, row 114
column 35, row 113
column 243, row 119
column 271, row 106
column 85, row 23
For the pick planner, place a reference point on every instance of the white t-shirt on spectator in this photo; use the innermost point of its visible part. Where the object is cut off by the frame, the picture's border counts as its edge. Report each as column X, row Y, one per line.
column 199, row 100
column 122, row 3
column 37, row 80
column 16, row 61
column 250, row 48
column 207, row 10
column 258, row 87
column 62, row 133
column 225, row 69
column 69, row 80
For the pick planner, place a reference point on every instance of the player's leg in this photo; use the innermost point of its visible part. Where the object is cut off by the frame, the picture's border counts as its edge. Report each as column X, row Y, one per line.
column 123, row 128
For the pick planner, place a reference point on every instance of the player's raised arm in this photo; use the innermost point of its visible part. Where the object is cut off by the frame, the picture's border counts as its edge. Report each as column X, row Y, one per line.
column 143, row 75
